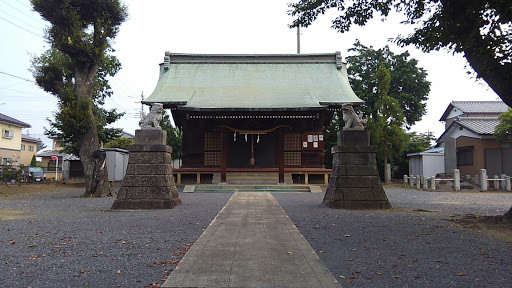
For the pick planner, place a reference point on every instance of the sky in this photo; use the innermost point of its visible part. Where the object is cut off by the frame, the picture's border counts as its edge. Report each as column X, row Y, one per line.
column 205, row 26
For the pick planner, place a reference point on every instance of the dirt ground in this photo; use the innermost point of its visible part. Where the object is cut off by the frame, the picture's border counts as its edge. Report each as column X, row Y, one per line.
column 30, row 188
column 497, row 225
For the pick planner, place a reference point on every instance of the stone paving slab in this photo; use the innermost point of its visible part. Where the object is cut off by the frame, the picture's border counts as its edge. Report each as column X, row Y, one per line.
column 251, row 243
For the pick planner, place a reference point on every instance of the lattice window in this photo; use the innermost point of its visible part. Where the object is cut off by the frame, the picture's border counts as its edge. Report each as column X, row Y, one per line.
column 292, row 149
column 212, row 149
column 212, row 158
column 292, row 158
column 212, row 141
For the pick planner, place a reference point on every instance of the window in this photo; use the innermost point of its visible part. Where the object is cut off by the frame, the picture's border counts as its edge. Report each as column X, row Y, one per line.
column 212, row 149
column 292, row 149
column 465, row 155
column 8, row 133
column 22, row 147
column 6, row 161
column 31, row 148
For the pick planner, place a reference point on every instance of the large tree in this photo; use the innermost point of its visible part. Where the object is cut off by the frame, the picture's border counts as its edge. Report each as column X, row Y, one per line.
column 54, row 72
column 82, row 31
column 480, row 29
column 386, row 127
column 409, row 84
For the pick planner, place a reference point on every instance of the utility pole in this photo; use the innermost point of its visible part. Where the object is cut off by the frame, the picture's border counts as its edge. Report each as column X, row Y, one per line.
column 298, row 39
column 142, row 105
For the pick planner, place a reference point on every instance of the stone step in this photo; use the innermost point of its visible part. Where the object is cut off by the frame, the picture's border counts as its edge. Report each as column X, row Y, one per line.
column 251, row 188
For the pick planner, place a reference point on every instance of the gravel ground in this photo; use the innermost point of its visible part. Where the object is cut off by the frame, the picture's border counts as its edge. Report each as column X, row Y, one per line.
column 58, row 239
column 68, row 241
column 414, row 245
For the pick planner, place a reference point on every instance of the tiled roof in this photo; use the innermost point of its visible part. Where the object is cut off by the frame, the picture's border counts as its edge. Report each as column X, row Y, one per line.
column 481, row 106
column 29, row 138
column 247, row 82
column 12, row 121
column 479, row 125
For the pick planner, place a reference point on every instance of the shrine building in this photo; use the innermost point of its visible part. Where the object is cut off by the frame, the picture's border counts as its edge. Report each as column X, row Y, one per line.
column 253, row 118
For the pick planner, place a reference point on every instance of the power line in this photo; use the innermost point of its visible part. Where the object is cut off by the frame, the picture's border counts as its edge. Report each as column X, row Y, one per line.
column 22, row 13
column 24, row 4
column 21, row 27
column 8, row 74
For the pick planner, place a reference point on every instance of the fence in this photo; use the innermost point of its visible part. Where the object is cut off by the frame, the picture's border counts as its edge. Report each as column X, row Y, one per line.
column 430, row 183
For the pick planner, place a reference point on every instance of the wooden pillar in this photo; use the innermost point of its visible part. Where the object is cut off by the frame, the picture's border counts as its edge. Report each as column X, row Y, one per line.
column 280, row 156
column 224, row 161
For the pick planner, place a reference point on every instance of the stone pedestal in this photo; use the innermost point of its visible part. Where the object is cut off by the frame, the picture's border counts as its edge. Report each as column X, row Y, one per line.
column 148, row 183
column 355, row 182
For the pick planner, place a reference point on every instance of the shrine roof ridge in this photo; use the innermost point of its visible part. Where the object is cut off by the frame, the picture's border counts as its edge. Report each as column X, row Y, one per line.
column 313, row 58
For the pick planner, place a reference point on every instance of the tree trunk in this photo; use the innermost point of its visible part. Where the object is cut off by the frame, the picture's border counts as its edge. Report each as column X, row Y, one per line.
column 386, row 178
column 93, row 162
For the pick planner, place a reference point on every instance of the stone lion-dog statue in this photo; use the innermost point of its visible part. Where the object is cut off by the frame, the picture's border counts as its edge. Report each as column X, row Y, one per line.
column 152, row 120
column 351, row 118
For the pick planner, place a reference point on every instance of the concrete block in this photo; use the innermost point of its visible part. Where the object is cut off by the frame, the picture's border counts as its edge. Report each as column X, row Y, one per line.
column 456, row 179
column 153, row 169
column 483, row 180
column 354, row 138
column 150, row 157
column 450, row 155
column 148, row 180
column 150, row 137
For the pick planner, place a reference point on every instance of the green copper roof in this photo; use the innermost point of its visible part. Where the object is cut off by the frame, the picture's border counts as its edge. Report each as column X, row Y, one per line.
column 294, row 81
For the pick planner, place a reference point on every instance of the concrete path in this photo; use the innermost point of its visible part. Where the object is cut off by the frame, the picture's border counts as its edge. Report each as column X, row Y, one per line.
column 251, row 243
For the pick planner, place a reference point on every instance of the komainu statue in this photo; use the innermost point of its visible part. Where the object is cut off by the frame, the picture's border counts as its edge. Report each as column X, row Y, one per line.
column 152, row 120
column 351, row 119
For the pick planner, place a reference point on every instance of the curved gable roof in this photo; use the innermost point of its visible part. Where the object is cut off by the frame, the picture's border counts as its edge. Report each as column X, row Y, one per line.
column 247, row 82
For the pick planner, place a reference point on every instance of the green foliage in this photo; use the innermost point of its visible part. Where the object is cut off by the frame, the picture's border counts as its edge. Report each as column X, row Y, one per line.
column 408, row 85
column 33, row 162
column 9, row 174
column 503, row 131
column 386, row 127
column 121, row 142
column 480, row 29
column 54, row 72
column 174, row 135
column 82, row 29
column 331, row 138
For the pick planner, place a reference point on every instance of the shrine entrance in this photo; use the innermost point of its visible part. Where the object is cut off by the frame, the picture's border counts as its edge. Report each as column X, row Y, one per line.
column 252, row 150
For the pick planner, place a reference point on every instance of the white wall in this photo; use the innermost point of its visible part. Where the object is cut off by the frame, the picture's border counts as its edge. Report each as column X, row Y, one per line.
column 433, row 164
